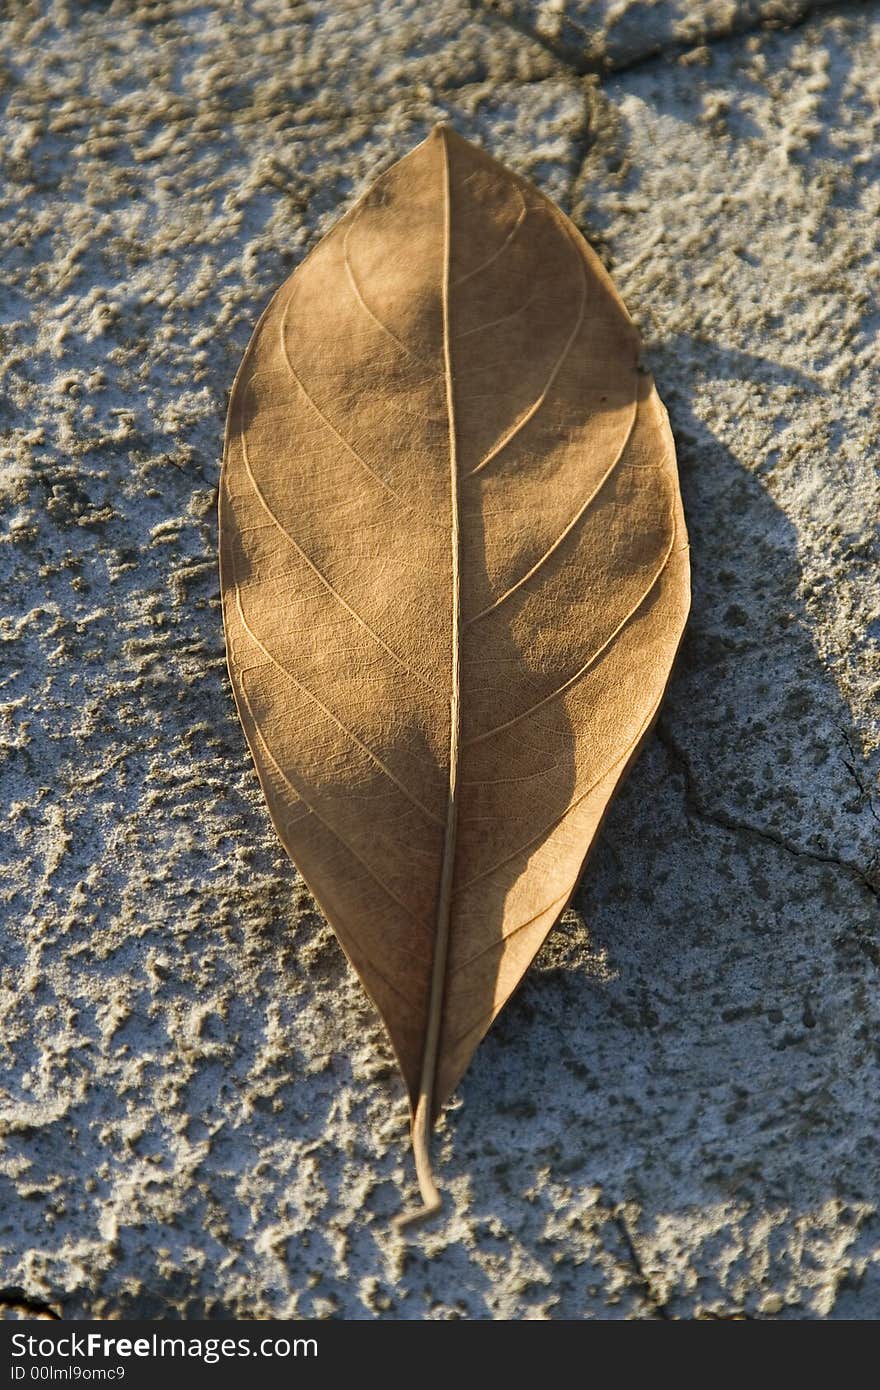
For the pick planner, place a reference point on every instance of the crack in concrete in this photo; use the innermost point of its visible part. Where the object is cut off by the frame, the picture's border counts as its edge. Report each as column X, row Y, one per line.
column 720, row 818
column 486, row 9
column 656, row 1303
column 608, row 67
column 581, row 141
column 854, row 773
column 13, row 1296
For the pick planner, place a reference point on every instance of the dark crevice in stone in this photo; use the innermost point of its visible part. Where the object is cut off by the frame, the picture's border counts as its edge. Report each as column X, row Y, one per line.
column 656, row 1304
column 582, row 142
column 852, row 769
column 694, row 800
column 487, row 9
column 605, row 65
column 15, row 1297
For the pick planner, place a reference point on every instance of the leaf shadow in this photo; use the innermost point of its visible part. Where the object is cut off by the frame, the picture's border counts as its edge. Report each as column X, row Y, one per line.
column 699, row 1042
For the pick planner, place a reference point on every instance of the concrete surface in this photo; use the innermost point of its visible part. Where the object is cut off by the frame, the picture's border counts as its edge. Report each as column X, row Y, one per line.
column 601, row 35
column 678, row 1114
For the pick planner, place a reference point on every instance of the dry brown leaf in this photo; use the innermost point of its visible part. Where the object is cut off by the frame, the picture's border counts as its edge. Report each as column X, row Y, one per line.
column 455, row 575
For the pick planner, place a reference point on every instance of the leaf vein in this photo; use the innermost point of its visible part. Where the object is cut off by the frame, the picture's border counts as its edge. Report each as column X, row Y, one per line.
column 557, row 820
column 319, row 412
column 557, row 368
column 502, row 940
column 493, row 323
column 478, row 270
column 578, row 516
column 356, row 290
column 310, row 810
column 361, row 622
column 310, row 694
column 572, row 680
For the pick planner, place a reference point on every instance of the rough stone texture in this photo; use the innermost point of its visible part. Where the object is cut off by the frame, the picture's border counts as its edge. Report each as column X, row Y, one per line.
column 678, row 1114
column 597, row 35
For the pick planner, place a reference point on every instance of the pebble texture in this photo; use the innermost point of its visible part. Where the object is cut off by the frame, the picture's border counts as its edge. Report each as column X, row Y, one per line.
column 677, row 1116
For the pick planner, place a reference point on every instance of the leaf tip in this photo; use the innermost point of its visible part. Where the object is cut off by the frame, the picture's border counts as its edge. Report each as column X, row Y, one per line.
column 446, row 132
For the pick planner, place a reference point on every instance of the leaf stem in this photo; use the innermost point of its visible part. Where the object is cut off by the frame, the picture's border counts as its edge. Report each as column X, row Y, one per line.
column 423, row 1117
column 421, row 1142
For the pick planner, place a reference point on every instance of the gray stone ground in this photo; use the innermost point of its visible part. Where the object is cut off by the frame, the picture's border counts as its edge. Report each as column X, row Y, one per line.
column 678, row 1114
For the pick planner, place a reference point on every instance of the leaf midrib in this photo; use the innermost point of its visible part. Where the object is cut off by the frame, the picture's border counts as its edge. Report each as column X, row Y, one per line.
column 423, row 1117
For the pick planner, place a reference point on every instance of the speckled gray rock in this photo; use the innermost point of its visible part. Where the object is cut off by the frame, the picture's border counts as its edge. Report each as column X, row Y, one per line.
column 677, row 1115
column 597, row 35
